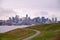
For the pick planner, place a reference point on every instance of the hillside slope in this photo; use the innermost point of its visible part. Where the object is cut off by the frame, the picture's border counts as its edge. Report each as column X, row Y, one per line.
column 48, row 31
column 17, row 34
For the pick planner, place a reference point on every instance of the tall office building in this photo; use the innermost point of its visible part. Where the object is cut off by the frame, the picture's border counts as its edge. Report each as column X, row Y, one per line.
column 55, row 19
column 26, row 15
column 16, row 18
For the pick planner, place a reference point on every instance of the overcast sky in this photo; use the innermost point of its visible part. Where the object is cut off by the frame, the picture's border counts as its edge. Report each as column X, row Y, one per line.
column 34, row 8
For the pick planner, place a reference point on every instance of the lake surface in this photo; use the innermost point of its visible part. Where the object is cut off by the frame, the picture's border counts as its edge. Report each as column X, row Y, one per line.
column 4, row 29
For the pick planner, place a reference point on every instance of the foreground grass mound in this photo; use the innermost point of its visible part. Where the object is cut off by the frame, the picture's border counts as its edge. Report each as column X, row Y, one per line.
column 48, row 31
column 17, row 34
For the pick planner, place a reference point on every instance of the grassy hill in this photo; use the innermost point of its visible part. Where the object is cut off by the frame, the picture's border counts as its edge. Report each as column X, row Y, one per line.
column 48, row 31
column 17, row 34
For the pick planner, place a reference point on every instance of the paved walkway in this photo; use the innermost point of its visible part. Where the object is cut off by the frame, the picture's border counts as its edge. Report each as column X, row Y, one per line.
column 32, row 36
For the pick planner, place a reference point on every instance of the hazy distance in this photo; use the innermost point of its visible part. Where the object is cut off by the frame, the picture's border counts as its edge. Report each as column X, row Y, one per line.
column 34, row 8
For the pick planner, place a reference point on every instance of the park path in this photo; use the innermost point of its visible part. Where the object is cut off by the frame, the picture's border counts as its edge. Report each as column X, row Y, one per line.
column 32, row 36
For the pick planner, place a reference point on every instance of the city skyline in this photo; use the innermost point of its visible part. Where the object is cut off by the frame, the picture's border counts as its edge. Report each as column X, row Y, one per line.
column 34, row 8
column 27, row 20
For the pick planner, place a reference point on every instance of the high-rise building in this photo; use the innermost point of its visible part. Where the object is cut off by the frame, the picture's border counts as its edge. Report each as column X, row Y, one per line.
column 16, row 18
column 43, row 20
column 26, row 15
column 10, row 18
column 55, row 19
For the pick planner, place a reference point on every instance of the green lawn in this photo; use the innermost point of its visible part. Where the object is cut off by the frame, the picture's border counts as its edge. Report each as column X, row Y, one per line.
column 48, row 31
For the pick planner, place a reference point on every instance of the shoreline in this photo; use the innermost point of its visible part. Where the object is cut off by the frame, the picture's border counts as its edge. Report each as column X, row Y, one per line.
column 6, row 28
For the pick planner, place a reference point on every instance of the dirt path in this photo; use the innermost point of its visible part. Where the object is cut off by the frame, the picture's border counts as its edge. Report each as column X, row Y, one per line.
column 32, row 36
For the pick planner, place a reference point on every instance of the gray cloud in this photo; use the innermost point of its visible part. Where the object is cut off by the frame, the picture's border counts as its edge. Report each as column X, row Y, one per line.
column 32, row 7
column 36, row 4
column 6, row 12
column 44, row 13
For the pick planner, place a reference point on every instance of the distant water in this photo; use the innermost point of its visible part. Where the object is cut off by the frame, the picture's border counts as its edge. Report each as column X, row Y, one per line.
column 4, row 29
